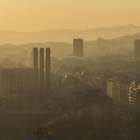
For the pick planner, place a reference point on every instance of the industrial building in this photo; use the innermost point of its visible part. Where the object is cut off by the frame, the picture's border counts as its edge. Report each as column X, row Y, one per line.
column 17, row 88
column 27, row 85
column 42, row 75
column 17, row 82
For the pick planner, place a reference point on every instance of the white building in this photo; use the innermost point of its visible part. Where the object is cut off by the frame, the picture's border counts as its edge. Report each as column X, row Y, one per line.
column 117, row 89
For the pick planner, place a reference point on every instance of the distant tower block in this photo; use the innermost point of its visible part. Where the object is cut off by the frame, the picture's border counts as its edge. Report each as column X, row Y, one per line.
column 78, row 47
column 137, row 50
column 42, row 73
column 48, row 72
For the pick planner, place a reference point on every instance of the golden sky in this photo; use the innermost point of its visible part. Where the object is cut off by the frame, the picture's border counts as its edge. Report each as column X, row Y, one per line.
column 36, row 15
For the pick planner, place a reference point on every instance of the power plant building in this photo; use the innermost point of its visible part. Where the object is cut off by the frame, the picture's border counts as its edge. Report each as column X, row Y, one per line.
column 32, row 84
column 17, row 82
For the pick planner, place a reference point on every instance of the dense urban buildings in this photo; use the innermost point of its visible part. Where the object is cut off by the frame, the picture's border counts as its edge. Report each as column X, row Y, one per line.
column 62, row 77
column 74, row 91
column 98, row 105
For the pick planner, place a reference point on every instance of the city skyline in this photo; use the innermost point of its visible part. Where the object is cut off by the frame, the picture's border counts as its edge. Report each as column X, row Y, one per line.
column 70, row 70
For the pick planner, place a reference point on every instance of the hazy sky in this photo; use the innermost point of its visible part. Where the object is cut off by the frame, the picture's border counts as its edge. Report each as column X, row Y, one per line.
column 35, row 15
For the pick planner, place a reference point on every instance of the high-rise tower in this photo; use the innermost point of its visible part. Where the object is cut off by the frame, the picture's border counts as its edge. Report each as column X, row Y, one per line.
column 137, row 50
column 78, row 47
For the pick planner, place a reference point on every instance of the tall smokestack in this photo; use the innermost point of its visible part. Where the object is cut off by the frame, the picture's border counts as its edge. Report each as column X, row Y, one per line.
column 36, row 77
column 36, row 59
column 48, row 72
column 42, row 73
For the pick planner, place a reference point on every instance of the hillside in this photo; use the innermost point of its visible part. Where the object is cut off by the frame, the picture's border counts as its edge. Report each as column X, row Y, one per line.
column 12, row 37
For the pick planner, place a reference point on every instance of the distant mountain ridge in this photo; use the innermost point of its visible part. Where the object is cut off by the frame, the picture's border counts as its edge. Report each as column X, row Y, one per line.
column 12, row 37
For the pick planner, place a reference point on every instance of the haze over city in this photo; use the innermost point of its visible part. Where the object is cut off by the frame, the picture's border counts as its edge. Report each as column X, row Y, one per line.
column 70, row 70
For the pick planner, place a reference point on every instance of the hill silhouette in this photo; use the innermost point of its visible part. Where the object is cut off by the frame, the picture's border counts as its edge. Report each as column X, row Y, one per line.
column 12, row 37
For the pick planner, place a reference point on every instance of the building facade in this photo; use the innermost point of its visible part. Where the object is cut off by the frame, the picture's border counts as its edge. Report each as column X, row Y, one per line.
column 117, row 89
column 17, row 82
column 134, row 97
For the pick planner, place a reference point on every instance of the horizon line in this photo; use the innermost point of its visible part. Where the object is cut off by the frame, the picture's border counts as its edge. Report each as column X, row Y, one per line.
column 70, row 29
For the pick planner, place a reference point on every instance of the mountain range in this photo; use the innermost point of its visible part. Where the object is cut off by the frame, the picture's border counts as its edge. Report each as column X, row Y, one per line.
column 17, row 38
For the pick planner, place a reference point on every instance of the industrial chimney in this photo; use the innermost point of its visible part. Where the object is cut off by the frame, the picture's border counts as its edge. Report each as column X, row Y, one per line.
column 36, row 77
column 41, row 74
column 48, row 73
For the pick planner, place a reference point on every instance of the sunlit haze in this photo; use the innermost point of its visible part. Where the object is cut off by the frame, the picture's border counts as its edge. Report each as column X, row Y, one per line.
column 36, row 15
column 69, row 69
